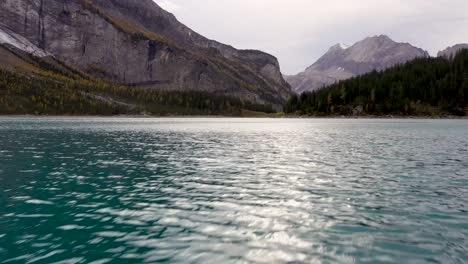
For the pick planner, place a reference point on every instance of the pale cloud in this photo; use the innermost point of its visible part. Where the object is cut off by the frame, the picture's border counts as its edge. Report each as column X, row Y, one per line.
column 299, row 31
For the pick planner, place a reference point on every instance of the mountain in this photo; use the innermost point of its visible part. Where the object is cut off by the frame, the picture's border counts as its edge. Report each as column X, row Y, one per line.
column 341, row 62
column 138, row 44
column 452, row 51
column 423, row 87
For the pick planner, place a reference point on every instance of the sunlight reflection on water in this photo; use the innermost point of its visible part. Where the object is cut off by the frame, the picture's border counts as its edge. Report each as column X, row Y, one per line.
column 233, row 190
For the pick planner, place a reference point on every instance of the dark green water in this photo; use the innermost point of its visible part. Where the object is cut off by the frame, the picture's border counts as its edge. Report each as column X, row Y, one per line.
column 233, row 191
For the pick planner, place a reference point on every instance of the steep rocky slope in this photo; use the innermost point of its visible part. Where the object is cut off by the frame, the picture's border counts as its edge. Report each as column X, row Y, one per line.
column 137, row 43
column 452, row 51
column 340, row 62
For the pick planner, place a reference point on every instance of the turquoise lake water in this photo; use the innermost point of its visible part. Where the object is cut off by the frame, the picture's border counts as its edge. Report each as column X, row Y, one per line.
column 97, row 190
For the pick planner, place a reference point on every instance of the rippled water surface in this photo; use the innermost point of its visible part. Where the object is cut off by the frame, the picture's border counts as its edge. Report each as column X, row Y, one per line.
column 233, row 191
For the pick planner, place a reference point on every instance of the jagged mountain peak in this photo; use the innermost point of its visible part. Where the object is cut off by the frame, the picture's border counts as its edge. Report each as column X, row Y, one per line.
column 376, row 42
column 383, row 50
column 372, row 53
column 379, row 38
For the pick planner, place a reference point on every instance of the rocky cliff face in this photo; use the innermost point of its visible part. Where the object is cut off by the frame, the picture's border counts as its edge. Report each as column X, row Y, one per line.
column 137, row 43
column 452, row 51
column 339, row 63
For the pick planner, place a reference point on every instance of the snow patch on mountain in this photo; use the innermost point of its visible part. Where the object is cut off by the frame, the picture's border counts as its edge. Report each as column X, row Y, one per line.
column 343, row 46
column 8, row 37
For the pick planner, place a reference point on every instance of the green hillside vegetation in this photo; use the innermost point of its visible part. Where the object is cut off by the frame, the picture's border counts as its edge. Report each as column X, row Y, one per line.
column 124, row 25
column 423, row 87
column 52, row 88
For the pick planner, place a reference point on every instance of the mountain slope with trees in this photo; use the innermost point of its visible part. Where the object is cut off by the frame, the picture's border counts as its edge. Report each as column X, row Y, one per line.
column 422, row 87
column 44, row 86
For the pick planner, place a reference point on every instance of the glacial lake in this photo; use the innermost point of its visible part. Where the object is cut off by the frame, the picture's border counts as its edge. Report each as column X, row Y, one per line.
column 226, row 190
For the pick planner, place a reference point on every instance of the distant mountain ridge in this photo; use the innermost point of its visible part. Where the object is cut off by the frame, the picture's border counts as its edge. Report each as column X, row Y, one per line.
column 341, row 62
column 137, row 43
column 430, row 87
column 452, row 51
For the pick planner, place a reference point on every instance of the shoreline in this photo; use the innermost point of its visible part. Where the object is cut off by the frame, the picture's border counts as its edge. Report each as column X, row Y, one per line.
column 266, row 116
column 385, row 117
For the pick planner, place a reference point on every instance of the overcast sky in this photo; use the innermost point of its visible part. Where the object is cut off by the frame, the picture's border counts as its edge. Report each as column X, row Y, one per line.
column 299, row 31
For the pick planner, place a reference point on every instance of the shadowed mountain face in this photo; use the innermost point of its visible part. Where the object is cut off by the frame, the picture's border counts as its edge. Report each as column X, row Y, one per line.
column 137, row 43
column 452, row 51
column 340, row 62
